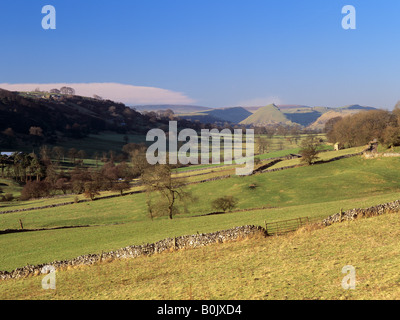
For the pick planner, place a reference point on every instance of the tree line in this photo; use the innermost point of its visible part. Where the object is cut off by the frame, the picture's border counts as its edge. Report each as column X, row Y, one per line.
column 361, row 128
column 44, row 175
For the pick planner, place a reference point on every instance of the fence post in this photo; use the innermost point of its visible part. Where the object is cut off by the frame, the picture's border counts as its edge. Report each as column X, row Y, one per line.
column 266, row 227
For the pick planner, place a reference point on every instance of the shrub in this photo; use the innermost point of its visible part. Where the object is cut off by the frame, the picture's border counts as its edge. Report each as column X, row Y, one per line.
column 35, row 189
column 225, row 203
column 8, row 197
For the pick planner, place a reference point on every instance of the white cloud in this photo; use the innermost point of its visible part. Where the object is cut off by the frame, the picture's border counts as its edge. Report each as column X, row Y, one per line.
column 260, row 101
column 128, row 94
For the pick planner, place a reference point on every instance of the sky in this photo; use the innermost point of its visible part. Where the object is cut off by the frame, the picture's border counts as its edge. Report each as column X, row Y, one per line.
column 214, row 53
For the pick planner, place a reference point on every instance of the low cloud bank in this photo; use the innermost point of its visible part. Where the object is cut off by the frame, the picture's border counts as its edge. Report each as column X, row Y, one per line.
column 127, row 94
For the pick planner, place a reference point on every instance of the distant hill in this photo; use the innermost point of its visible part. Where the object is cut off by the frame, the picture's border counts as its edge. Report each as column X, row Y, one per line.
column 300, row 114
column 319, row 123
column 266, row 115
column 235, row 114
column 177, row 109
column 303, row 115
column 283, row 107
column 56, row 117
column 230, row 115
column 252, row 109
column 311, row 117
column 61, row 117
column 356, row 107
column 303, row 118
column 306, row 116
column 288, row 107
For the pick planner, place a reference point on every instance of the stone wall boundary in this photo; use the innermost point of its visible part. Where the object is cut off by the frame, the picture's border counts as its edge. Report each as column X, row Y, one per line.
column 193, row 241
column 354, row 214
column 168, row 244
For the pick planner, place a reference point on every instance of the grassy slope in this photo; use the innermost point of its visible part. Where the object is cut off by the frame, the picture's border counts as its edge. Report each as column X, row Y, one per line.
column 325, row 117
column 303, row 265
column 308, row 191
column 264, row 115
column 234, row 115
column 10, row 186
column 100, row 143
column 278, row 146
column 300, row 186
column 321, row 156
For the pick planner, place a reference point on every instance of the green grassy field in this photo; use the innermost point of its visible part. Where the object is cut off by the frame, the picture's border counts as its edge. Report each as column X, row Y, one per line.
column 103, row 142
column 93, row 143
column 314, row 191
column 306, row 264
column 202, row 172
column 324, row 156
column 10, row 186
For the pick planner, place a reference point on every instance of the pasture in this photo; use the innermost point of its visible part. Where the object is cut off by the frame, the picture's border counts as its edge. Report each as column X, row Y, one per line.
column 306, row 264
column 313, row 191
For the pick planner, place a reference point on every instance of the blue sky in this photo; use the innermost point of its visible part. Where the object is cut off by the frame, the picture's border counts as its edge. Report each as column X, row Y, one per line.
column 215, row 53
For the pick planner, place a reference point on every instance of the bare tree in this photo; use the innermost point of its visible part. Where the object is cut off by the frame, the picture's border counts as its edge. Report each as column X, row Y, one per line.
column 158, row 181
column 72, row 154
column 309, row 150
column 81, row 154
column 36, row 131
column 138, row 163
column 37, row 134
column 262, row 145
column 58, row 152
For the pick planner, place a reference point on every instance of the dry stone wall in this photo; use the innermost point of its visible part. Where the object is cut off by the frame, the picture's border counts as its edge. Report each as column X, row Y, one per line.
column 191, row 241
column 182, row 242
column 70, row 202
column 360, row 213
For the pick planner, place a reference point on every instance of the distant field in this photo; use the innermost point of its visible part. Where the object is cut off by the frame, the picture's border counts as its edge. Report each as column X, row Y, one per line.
column 103, row 142
column 302, row 265
column 321, row 156
column 93, row 143
column 283, row 143
column 9, row 186
column 278, row 146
